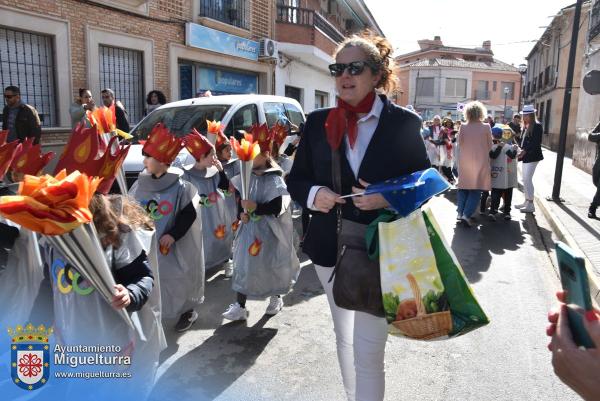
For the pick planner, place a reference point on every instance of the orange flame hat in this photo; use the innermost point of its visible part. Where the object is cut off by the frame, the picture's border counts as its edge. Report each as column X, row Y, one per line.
column 29, row 159
column 162, row 145
column 85, row 153
column 263, row 136
column 222, row 141
column 198, row 145
column 7, row 154
column 279, row 133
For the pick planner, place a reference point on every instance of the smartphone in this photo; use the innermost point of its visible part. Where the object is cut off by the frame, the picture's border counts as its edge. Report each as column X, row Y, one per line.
column 574, row 280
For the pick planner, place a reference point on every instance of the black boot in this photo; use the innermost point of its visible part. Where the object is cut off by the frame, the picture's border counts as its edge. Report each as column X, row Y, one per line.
column 592, row 212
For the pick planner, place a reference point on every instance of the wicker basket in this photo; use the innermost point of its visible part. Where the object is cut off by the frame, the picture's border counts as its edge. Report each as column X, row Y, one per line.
column 424, row 326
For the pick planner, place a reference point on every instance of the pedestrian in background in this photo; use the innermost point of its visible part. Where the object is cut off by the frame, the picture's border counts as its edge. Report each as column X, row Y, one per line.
column 531, row 155
column 595, row 137
column 475, row 142
column 83, row 103
column 108, row 98
column 20, row 119
column 515, row 125
column 154, row 100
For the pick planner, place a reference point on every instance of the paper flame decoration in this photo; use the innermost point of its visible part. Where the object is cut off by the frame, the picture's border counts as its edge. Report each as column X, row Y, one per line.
column 247, row 150
column 254, row 248
column 197, row 144
column 51, row 205
column 214, row 127
column 220, row 232
column 104, row 118
column 262, row 135
column 29, row 159
column 7, row 153
column 279, row 133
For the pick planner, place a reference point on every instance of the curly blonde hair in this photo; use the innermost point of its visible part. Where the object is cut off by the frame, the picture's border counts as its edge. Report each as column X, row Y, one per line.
column 475, row 111
column 379, row 55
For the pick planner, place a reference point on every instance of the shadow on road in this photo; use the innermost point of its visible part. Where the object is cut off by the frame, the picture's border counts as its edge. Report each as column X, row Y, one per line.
column 209, row 369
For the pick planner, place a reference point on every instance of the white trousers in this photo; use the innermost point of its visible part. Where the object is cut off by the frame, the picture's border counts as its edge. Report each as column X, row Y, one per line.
column 528, row 170
column 360, row 339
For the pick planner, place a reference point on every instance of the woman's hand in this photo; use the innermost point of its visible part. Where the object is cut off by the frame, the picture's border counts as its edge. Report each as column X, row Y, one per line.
column 217, row 163
column 166, row 241
column 326, row 199
column 244, row 217
column 248, row 205
column 574, row 366
column 368, row 202
column 121, row 298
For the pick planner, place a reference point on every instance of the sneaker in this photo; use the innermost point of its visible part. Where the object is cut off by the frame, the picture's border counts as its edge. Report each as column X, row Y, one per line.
column 459, row 217
column 235, row 312
column 507, row 216
column 186, row 320
column 467, row 221
column 521, row 205
column 229, row 269
column 530, row 208
column 275, row 305
column 492, row 216
column 592, row 213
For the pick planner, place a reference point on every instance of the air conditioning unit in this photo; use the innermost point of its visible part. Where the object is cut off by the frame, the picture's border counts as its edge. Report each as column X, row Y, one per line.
column 268, row 49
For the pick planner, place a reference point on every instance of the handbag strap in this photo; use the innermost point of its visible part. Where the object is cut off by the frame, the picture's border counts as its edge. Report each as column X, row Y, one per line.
column 337, row 187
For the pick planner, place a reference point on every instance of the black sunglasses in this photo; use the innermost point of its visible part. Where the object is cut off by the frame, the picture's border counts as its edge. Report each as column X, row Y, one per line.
column 354, row 68
column 9, row 96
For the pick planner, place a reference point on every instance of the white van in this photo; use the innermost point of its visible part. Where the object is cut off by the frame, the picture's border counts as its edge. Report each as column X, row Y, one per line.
column 237, row 112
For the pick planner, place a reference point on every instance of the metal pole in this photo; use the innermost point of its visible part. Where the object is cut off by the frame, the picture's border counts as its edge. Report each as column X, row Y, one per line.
column 564, row 123
column 504, row 112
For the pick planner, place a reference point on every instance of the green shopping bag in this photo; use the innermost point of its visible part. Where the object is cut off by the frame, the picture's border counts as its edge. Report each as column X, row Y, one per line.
column 425, row 293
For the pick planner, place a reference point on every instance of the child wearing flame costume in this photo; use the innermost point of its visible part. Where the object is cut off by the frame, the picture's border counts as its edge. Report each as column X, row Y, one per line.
column 264, row 257
column 21, row 272
column 173, row 204
column 209, row 178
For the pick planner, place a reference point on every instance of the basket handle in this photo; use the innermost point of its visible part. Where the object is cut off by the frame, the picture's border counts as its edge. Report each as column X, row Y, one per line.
column 417, row 294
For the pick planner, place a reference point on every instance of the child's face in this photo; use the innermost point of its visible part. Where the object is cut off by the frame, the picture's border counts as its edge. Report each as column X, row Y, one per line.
column 206, row 161
column 153, row 166
column 225, row 154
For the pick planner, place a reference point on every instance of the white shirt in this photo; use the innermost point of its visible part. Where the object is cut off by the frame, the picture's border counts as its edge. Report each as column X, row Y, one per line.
column 366, row 126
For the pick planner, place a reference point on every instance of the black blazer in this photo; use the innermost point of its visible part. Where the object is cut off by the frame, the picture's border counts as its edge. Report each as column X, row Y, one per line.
column 532, row 144
column 396, row 148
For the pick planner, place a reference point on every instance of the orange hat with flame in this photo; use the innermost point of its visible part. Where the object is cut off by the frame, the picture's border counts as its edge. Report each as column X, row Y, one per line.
column 162, row 144
column 262, row 135
column 197, row 144
column 85, row 153
column 222, row 141
column 29, row 159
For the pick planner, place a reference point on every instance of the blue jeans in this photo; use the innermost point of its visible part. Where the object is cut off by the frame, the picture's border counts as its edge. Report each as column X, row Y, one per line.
column 468, row 199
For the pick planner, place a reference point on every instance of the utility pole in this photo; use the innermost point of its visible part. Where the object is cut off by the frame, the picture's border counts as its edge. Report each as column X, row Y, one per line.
column 564, row 123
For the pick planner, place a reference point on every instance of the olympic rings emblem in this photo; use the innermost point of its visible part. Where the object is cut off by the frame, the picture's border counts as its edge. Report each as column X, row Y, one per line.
column 73, row 280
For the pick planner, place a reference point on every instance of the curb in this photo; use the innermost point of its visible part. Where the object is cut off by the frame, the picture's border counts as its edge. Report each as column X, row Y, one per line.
column 564, row 236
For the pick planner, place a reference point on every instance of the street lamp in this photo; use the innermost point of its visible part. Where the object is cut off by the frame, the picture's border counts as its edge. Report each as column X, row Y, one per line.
column 522, row 71
column 506, row 91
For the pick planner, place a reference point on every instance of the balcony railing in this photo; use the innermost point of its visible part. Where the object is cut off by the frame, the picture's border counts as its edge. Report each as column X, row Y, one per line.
column 307, row 17
column 232, row 12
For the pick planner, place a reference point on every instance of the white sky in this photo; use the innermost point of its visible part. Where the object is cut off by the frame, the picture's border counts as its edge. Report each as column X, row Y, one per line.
column 467, row 23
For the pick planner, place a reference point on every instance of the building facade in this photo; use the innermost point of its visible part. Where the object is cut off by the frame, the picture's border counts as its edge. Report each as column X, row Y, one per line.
column 436, row 78
column 547, row 73
column 307, row 33
column 588, row 112
column 181, row 47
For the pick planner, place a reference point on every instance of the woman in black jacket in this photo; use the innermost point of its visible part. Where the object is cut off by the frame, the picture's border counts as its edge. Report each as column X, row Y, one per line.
column 531, row 155
column 594, row 136
column 377, row 140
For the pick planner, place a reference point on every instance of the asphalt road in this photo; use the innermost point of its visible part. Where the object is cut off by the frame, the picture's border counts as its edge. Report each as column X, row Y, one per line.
column 292, row 356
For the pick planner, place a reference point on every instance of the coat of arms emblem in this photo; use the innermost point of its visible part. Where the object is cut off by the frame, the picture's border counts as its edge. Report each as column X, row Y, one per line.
column 30, row 356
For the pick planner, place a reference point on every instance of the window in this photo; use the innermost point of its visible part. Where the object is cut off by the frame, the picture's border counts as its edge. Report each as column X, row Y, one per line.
column 494, row 86
column 425, row 87
column 122, row 71
column 511, row 89
column 548, row 115
column 482, row 92
column 243, row 119
column 294, row 93
column 456, row 87
column 232, row 12
column 274, row 112
column 27, row 61
column 321, row 99
column 594, row 21
column 295, row 115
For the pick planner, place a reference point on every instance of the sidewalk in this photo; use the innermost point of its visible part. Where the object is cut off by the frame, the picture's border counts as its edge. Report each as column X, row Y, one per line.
column 569, row 219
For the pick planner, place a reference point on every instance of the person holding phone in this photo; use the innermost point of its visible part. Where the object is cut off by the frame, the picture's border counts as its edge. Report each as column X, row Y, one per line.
column 577, row 368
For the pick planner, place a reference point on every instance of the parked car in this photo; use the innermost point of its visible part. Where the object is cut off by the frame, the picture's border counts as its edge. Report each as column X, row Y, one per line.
column 237, row 112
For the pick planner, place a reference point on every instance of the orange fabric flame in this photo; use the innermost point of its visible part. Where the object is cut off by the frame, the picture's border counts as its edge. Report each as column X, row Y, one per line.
column 7, row 153
column 254, row 248
column 279, row 133
column 247, row 150
column 29, row 158
column 220, row 232
column 104, row 118
column 214, row 127
column 262, row 135
column 51, row 205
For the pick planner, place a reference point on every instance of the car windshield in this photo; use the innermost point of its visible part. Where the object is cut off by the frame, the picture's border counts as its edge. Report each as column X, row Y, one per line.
column 180, row 120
